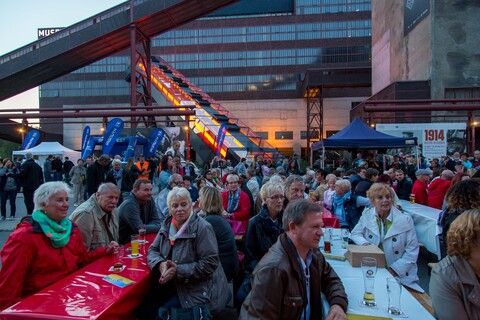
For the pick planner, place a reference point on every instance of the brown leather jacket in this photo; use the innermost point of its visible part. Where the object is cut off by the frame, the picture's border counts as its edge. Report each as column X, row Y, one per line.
column 278, row 289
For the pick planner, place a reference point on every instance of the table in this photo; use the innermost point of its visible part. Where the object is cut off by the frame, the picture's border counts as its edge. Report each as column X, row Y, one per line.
column 85, row 295
column 352, row 279
column 425, row 220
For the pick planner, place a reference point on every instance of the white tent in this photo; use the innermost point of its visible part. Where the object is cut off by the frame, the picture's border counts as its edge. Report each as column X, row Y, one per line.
column 46, row 148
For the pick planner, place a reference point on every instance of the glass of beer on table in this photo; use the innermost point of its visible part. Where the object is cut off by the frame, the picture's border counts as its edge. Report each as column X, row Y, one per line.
column 134, row 242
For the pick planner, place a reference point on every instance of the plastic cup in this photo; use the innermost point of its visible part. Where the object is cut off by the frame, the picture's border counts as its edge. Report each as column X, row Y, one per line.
column 135, row 245
column 394, row 290
column 141, row 234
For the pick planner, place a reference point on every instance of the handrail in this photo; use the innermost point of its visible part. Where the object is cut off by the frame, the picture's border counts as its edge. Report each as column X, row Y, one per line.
column 68, row 31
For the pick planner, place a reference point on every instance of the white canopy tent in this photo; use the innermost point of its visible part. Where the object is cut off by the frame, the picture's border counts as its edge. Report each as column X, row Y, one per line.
column 44, row 149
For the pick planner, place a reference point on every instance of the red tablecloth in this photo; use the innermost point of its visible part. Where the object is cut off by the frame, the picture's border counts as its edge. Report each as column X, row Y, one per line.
column 329, row 220
column 85, row 295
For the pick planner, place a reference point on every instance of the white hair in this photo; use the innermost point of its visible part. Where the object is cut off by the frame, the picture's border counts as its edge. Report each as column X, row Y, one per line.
column 344, row 184
column 46, row 191
column 178, row 192
column 269, row 188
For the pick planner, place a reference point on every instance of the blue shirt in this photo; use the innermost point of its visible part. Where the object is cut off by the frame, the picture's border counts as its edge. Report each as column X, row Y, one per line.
column 305, row 266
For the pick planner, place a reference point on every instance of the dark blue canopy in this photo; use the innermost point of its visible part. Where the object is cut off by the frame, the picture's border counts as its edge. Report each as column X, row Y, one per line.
column 358, row 135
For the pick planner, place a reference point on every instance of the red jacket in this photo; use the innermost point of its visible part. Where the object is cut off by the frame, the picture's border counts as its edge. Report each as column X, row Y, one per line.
column 243, row 210
column 436, row 192
column 30, row 263
column 419, row 189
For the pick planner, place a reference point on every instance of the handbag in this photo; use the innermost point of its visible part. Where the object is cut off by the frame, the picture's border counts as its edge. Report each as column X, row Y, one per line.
column 193, row 313
column 237, row 227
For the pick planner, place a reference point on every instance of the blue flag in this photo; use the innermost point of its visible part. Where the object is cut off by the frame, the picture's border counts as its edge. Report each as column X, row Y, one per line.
column 222, row 131
column 132, row 142
column 114, row 129
column 85, row 137
column 90, row 145
column 30, row 139
column 154, row 141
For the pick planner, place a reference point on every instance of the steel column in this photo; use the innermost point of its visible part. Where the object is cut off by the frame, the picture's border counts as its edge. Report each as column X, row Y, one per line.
column 314, row 118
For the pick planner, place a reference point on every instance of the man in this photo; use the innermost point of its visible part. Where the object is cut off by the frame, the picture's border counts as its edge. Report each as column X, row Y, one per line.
column 67, row 166
column 476, row 159
column 419, row 188
column 438, row 188
column 47, row 168
column 289, row 279
column 294, row 188
column 362, row 187
column 97, row 217
column 138, row 210
column 160, row 200
column 241, row 168
column 360, row 176
column 57, row 168
column 143, row 167
column 187, row 184
column 31, row 177
column 404, row 185
column 97, row 173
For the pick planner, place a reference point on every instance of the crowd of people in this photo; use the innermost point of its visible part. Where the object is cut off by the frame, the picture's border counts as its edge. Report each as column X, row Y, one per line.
column 246, row 235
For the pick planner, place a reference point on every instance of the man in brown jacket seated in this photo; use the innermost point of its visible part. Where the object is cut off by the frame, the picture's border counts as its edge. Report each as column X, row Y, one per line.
column 289, row 279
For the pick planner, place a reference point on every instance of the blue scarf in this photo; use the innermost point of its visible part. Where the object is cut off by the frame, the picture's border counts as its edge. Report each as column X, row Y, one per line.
column 339, row 208
column 233, row 199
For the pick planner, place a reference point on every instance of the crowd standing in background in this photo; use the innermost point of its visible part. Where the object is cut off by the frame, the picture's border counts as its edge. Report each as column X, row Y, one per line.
column 234, row 228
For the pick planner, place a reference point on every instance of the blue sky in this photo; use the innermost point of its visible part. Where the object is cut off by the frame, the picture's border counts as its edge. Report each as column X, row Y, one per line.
column 20, row 19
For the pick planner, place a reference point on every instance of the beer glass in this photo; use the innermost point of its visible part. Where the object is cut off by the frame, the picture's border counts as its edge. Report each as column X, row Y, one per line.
column 118, row 256
column 394, row 290
column 141, row 234
column 345, row 237
column 134, row 241
column 327, row 241
column 369, row 270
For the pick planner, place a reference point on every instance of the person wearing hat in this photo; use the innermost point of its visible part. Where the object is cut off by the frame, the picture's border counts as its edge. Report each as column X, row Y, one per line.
column 420, row 185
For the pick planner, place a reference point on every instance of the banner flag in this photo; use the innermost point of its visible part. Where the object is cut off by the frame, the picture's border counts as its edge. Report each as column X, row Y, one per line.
column 222, row 131
column 89, row 147
column 31, row 138
column 85, row 137
column 154, row 141
column 113, row 131
column 129, row 152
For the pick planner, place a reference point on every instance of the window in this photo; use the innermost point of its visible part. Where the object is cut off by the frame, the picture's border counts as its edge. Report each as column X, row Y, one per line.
column 262, row 134
column 313, row 135
column 284, row 135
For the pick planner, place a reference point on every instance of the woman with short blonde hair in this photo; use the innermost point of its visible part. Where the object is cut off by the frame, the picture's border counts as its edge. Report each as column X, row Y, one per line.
column 454, row 283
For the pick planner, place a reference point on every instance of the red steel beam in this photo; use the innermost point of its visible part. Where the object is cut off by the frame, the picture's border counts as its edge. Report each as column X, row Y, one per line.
column 421, row 101
column 47, row 114
column 96, row 108
column 419, row 107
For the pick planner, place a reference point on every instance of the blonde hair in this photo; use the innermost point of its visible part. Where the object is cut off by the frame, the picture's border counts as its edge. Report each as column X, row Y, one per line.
column 464, row 234
column 379, row 189
column 269, row 188
column 211, row 200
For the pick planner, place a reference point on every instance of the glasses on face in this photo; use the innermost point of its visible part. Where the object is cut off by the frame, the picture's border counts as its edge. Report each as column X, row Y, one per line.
column 277, row 197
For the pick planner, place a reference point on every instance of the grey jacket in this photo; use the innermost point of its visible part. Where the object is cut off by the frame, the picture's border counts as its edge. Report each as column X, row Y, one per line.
column 200, row 279
column 130, row 218
column 98, row 227
column 455, row 290
column 76, row 174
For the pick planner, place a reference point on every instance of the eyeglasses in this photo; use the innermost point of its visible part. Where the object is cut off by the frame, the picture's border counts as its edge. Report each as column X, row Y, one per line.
column 277, row 197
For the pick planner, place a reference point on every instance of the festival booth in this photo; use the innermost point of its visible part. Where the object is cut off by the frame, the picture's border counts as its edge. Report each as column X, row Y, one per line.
column 50, row 148
column 358, row 135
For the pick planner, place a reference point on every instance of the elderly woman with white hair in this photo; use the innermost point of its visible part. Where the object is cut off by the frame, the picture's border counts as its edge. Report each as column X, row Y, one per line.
column 184, row 258
column 44, row 248
column 391, row 230
column 345, row 204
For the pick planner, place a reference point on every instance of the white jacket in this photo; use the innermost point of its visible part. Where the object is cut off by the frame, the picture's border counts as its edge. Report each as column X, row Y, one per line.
column 400, row 243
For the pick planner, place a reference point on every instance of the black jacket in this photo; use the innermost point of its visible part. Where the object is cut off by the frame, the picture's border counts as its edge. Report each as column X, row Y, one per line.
column 404, row 188
column 31, row 175
column 96, row 175
column 227, row 249
column 262, row 233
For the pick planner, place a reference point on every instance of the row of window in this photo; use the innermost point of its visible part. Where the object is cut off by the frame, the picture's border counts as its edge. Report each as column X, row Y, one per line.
column 287, row 135
column 331, row 6
column 303, row 31
column 85, row 84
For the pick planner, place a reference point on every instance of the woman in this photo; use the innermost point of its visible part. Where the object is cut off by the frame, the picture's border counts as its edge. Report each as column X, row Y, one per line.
column 454, row 283
column 264, row 228
column 331, row 179
column 345, row 204
column 210, row 203
column 387, row 227
column 44, row 248
column 184, row 256
column 9, row 185
column 166, row 166
column 78, row 175
column 463, row 196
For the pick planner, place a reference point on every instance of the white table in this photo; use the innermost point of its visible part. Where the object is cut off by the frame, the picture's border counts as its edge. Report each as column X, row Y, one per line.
column 425, row 220
column 352, row 279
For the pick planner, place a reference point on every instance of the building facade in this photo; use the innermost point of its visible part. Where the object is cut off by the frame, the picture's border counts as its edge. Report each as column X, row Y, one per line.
column 252, row 58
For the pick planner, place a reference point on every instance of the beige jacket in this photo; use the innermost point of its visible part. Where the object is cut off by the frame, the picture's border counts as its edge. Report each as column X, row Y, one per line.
column 455, row 290
column 98, row 227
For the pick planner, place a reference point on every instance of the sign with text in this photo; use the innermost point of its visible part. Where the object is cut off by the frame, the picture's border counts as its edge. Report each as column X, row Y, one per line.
column 436, row 139
column 45, row 32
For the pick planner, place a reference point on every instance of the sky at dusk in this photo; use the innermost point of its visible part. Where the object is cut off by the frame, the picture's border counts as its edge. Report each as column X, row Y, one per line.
column 20, row 19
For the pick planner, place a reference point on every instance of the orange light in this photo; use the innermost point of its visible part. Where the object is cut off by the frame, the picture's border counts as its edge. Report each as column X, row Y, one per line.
column 21, row 130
